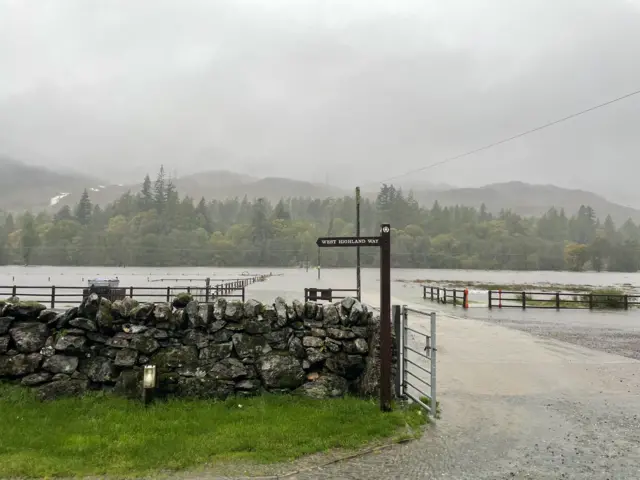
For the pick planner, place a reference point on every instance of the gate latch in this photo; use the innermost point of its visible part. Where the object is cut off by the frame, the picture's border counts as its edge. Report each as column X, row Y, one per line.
column 427, row 347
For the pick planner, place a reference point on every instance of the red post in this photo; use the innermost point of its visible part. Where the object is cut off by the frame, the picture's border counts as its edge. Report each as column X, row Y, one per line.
column 466, row 298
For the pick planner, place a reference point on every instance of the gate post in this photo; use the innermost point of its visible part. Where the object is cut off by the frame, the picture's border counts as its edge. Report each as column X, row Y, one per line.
column 397, row 330
column 434, row 350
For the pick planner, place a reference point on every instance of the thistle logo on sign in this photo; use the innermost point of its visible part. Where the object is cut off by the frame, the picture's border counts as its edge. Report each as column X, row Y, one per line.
column 348, row 242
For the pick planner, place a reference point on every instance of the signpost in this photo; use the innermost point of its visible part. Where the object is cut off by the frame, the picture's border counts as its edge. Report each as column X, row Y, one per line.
column 358, row 283
column 384, row 243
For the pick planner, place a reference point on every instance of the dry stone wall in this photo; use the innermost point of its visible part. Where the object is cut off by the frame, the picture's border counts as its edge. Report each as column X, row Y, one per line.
column 200, row 351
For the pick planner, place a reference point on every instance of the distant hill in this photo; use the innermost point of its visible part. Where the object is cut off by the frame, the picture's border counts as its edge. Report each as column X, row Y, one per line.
column 25, row 187
column 529, row 200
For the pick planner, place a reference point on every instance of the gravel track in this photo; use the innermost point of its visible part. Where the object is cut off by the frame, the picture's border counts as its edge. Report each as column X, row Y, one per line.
column 517, row 403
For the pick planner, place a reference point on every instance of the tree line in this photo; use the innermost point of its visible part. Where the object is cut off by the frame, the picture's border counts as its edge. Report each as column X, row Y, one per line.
column 157, row 227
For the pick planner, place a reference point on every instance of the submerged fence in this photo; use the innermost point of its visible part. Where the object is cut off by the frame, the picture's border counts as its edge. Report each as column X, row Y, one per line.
column 561, row 300
column 445, row 296
column 526, row 299
column 64, row 295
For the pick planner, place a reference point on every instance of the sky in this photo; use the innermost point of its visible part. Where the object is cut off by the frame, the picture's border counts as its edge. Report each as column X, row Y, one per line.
column 353, row 92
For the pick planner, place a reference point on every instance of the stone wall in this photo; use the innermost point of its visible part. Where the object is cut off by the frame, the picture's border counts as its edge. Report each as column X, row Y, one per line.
column 200, row 351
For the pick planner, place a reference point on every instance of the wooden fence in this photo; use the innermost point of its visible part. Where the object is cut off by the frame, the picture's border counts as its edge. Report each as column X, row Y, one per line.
column 63, row 295
column 561, row 300
column 446, row 295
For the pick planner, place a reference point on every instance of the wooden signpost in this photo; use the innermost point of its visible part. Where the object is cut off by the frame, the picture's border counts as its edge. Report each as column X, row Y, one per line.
column 384, row 243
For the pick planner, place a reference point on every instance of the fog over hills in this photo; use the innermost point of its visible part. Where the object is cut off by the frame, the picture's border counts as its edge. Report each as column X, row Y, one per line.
column 26, row 187
column 322, row 90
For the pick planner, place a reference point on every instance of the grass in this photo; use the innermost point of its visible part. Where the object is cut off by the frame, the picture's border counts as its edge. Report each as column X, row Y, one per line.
column 103, row 435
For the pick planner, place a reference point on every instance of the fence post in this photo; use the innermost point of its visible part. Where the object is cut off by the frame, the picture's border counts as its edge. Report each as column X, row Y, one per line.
column 466, row 298
column 524, row 300
column 189, row 289
column 431, row 293
column 626, row 302
column 242, row 294
column 168, row 294
column 454, row 297
column 130, row 292
column 434, row 350
column 490, row 299
column 395, row 309
column 424, row 292
column 438, row 293
column 591, row 301
column 444, row 296
column 405, row 318
column 306, row 294
column 557, row 300
column 14, row 291
column 207, row 286
column 53, row 296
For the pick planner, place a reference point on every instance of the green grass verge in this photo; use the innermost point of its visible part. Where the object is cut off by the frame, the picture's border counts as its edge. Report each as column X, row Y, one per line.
column 102, row 435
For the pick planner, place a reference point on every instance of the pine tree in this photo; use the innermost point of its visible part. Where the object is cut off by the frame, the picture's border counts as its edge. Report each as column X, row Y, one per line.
column 29, row 238
column 146, row 197
column 63, row 214
column 159, row 191
column 84, row 209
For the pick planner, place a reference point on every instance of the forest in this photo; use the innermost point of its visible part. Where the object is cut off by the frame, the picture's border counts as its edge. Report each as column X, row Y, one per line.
column 157, row 227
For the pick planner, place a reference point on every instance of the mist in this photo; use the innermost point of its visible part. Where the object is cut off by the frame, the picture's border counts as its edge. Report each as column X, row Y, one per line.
column 354, row 93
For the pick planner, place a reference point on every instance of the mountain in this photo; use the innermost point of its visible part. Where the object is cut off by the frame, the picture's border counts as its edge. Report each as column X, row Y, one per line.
column 24, row 187
column 27, row 187
column 528, row 200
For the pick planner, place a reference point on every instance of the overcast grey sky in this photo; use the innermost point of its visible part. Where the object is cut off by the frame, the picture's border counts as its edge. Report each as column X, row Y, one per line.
column 360, row 89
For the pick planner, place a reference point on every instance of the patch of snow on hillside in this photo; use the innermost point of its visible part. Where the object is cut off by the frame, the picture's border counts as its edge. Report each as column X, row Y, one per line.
column 55, row 200
column 94, row 189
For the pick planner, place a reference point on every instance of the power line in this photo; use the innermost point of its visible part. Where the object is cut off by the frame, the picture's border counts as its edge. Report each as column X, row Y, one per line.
column 514, row 137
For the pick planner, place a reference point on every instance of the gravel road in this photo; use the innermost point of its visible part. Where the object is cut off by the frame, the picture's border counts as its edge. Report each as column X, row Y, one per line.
column 516, row 406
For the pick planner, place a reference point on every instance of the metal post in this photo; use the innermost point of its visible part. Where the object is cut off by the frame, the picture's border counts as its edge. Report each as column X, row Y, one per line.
column 385, row 317
column 524, row 300
column 424, row 292
column 626, row 302
column 454, row 297
column 557, row 300
column 434, row 350
column 207, row 286
column 358, row 284
column 168, row 294
column 405, row 317
column 53, row 296
column 438, row 294
column 432, row 294
column 397, row 327
column 490, row 299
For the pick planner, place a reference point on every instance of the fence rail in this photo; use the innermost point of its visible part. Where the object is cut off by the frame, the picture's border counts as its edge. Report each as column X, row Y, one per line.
column 65, row 295
column 443, row 295
column 561, row 300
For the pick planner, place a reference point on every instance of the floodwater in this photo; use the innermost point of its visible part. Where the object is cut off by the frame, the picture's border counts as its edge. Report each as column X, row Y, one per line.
column 286, row 282
column 290, row 281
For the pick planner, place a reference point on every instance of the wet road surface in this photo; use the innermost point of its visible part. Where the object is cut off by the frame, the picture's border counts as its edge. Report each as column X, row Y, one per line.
column 514, row 406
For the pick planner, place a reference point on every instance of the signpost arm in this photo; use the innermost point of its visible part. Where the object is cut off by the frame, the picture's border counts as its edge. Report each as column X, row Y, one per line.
column 385, row 317
column 358, row 248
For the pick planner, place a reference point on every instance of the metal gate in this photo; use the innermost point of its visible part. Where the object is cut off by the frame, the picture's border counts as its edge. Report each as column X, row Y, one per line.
column 416, row 375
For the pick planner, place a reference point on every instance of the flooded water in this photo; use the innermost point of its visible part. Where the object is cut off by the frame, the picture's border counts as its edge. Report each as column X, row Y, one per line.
column 290, row 282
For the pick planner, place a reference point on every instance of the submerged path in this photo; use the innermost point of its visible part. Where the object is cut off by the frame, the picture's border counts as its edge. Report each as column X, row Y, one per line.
column 514, row 406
